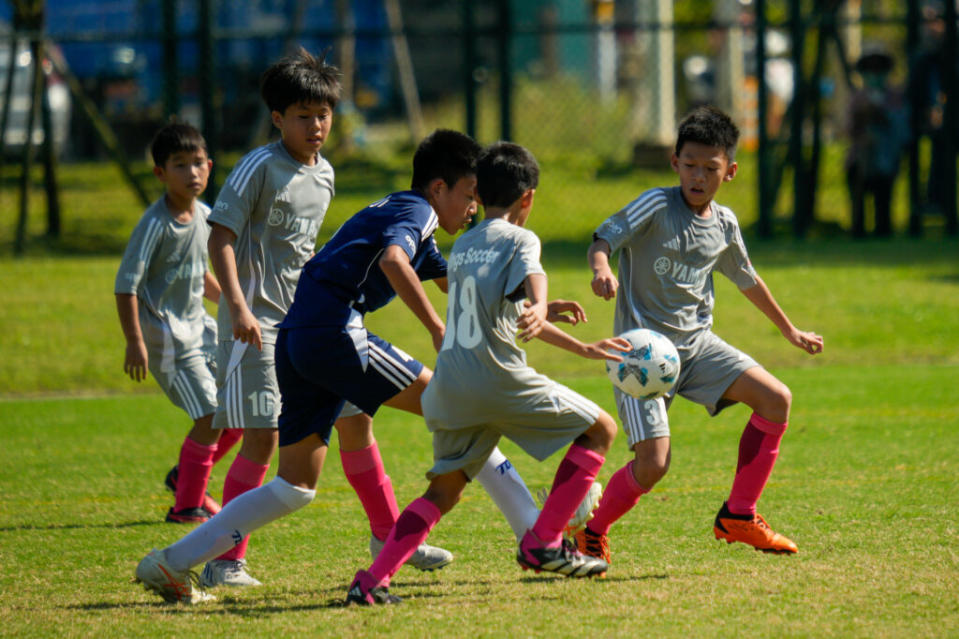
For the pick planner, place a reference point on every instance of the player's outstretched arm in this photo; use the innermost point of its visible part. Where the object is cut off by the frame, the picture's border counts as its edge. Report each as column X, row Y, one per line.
column 603, row 349
column 246, row 328
column 135, row 360
column 395, row 264
column 604, row 283
column 763, row 299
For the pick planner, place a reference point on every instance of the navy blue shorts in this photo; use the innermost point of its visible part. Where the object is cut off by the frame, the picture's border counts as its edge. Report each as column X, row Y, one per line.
column 318, row 367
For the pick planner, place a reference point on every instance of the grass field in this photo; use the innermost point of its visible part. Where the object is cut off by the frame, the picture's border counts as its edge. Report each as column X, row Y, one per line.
column 866, row 482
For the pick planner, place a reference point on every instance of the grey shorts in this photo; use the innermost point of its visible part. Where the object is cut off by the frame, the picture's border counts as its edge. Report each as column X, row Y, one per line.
column 549, row 421
column 247, row 392
column 189, row 382
column 709, row 367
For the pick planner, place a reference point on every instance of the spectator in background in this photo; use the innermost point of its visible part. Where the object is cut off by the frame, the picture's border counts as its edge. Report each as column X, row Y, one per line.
column 878, row 130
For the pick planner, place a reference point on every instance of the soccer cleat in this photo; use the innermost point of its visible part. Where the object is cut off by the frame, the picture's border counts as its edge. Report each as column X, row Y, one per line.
column 364, row 591
column 752, row 530
column 563, row 559
column 209, row 504
column 426, row 557
column 187, row 516
column 593, row 544
column 227, row 572
column 584, row 512
column 174, row 586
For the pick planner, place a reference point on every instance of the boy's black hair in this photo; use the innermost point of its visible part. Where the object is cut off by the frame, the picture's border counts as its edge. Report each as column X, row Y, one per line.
column 710, row 126
column 445, row 154
column 173, row 138
column 504, row 172
column 301, row 77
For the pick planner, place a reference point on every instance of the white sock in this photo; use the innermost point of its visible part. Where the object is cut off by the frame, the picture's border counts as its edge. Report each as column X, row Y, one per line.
column 509, row 493
column 241, row 516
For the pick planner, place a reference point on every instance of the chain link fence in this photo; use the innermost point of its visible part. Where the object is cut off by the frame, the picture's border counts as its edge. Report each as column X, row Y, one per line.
column 594, row 89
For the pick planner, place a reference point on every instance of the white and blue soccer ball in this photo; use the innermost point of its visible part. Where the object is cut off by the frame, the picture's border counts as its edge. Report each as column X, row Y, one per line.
column 650, row 368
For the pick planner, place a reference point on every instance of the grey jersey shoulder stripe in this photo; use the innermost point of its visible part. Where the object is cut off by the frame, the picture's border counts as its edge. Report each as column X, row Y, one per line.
column 645, row 205
column 244, row 170
column 150, row 239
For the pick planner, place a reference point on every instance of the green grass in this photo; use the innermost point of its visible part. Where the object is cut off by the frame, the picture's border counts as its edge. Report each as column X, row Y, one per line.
column 865, row 484
column 862, row 485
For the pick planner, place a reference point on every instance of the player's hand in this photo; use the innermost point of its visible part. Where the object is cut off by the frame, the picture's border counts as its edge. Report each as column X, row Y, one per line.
column 532, row 320
column 438, row 336
column 608, row 348
column 604, row 284
column 135, row 362
column 806, row 340
column 556, row 311
column 247, row 329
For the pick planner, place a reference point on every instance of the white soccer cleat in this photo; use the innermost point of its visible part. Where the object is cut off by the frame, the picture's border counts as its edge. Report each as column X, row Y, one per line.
column 584, row 512
column 227, row 572
column 175, row 586
column 425, row 558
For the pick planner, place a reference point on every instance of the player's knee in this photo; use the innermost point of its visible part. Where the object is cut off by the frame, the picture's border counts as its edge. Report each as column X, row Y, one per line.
column 602, row 433
column 778, row 402
column 648, row 469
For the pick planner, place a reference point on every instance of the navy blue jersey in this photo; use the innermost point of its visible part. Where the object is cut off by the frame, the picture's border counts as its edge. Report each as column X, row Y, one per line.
column 344, row 275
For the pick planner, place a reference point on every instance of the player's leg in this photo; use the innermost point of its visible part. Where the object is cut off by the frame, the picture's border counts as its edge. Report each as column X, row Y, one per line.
column 647, row 431
column 248, row 398
column 192, row 387
column 411, row 530
column 770, row 400
column 167, row 571
column 498, row 477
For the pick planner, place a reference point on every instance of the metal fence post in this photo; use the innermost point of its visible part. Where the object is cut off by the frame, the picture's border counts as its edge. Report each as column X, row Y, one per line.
column 469, row 67
column 950, row 125
column 207, row 90
column 504, row 40
column 171, row 78
column 765, row 225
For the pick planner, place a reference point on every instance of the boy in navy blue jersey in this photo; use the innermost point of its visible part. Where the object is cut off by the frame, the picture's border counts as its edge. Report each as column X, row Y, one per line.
column 325, row 357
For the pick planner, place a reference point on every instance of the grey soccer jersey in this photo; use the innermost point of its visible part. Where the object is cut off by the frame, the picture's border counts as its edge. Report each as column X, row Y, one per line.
column 667, row 256
column 275, row 206
column 479, row 358
column 163, row 265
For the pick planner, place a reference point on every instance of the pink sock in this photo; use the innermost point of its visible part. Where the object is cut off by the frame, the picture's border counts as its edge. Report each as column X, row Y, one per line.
column 243, row 475
column 364, row 471
column 196, row 461
column 228, row 437
column 621, row 494
column 412, row 528
column 758, row 450
column 573, row 478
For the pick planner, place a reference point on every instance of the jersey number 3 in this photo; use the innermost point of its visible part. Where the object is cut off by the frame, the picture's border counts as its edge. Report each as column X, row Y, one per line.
column 462, row 322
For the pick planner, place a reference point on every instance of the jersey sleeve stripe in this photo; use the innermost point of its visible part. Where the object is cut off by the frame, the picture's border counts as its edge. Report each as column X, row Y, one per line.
column 242, row 173
column 645, row 205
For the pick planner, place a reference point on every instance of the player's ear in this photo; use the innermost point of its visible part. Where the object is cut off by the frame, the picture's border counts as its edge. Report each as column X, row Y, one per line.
column 158, row 171
column 674, row 161
column 277, row 119
column 731, row 171
column 435, row 187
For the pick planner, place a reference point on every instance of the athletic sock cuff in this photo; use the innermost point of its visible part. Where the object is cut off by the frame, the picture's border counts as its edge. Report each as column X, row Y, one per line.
column 425, row 509
column 588, row 460
column 767, row 426
column 293, row 496
column 361, row 461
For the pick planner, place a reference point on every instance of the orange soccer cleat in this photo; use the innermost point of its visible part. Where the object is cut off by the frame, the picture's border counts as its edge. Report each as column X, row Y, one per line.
column 752, row 530
column 593, row 544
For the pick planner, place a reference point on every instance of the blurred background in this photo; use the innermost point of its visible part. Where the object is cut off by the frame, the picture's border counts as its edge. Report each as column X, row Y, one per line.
column 848, row 108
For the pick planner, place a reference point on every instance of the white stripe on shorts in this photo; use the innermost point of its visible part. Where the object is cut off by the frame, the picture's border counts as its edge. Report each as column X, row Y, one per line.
column 583, row 407
column 234, row 399
column 632, row 410
column 389, row 367
column 187, row 396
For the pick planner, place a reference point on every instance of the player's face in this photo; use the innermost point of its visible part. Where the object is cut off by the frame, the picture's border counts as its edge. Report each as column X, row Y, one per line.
column 455, row 206
column 304, row 127
column 185, row 174
column 702, row 169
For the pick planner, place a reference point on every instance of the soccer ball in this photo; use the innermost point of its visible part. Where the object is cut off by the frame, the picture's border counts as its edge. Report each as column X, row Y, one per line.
column 650, row 369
